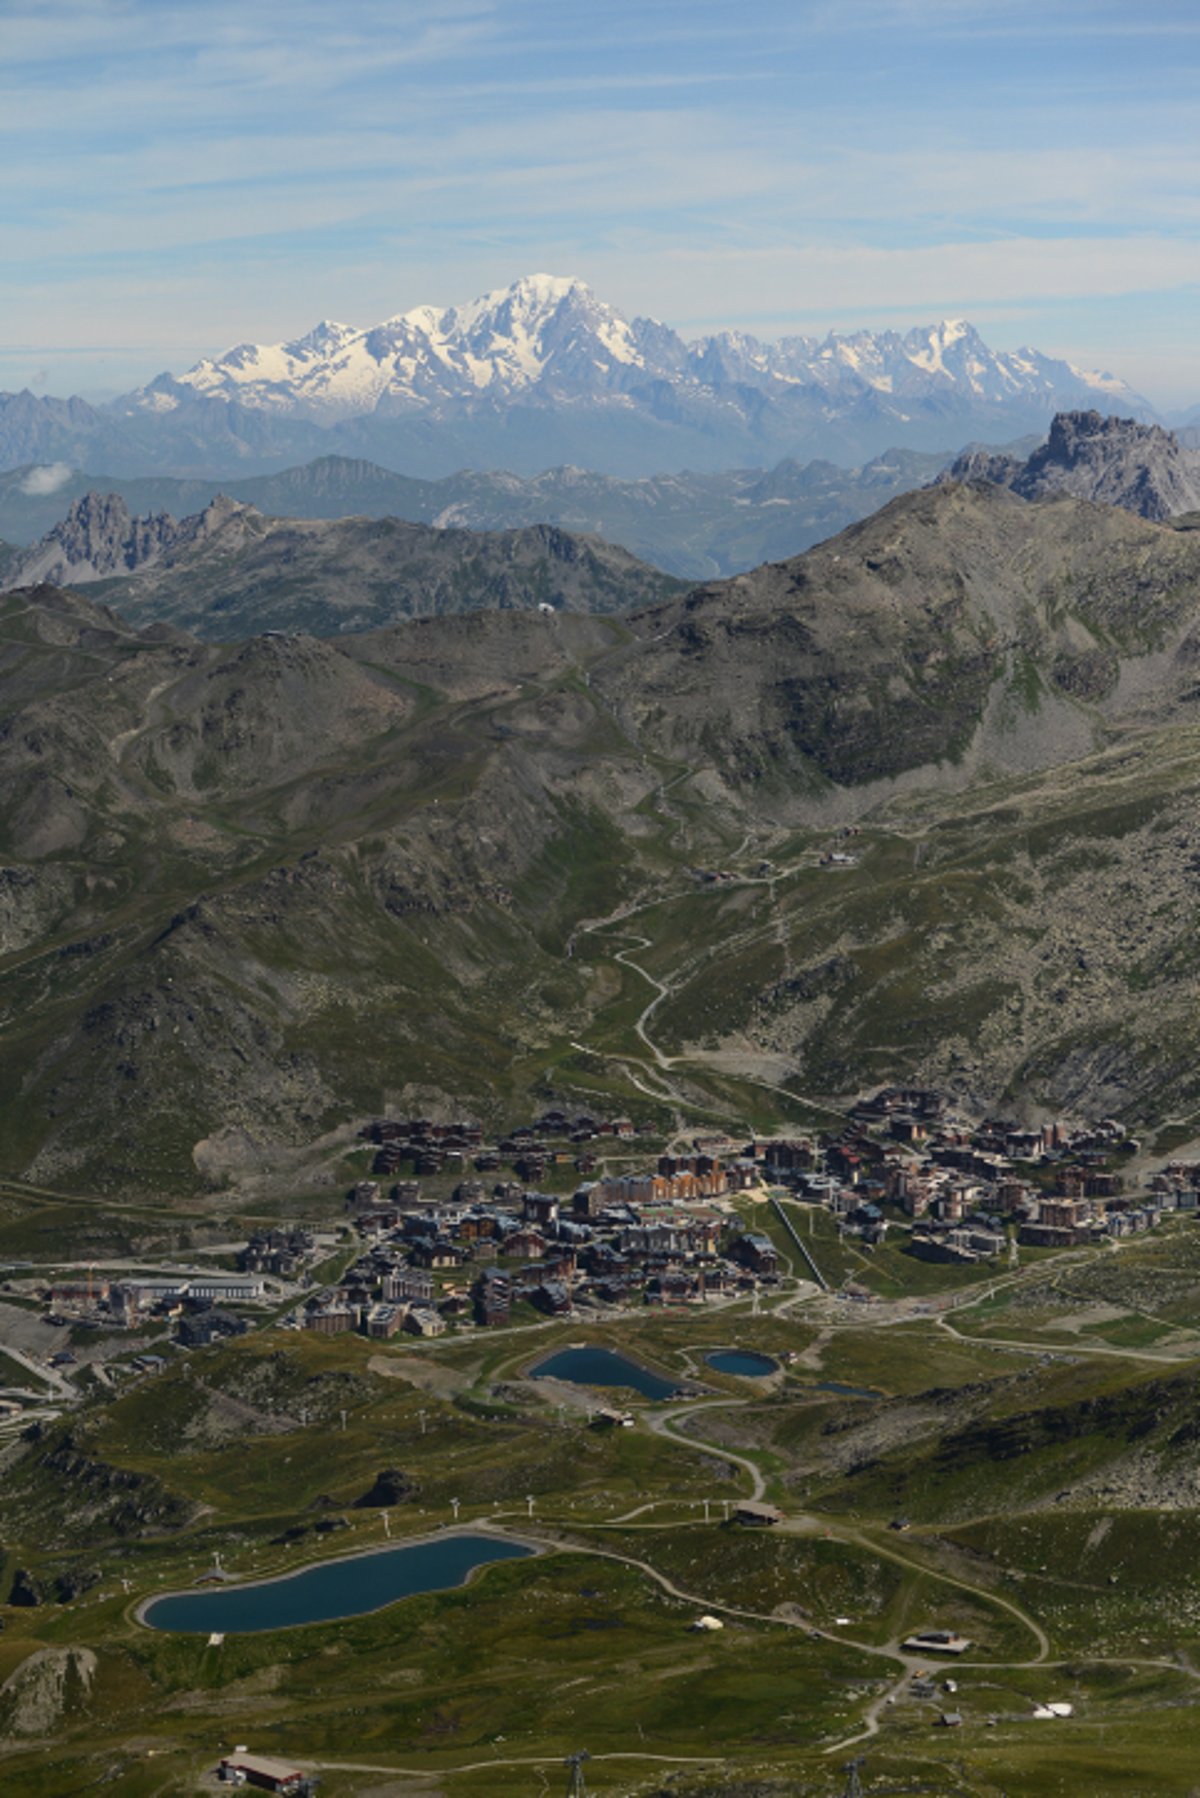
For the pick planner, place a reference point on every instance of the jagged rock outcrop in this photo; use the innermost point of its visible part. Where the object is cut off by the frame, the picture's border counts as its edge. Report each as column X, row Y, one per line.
column 1111, row 461
column 99, row 539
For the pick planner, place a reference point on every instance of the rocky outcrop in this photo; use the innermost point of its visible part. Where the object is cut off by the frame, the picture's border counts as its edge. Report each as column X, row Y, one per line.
column 1111, row 461
column 47, row 1687
column 25, row 1591
column 73, row 1582
column 99, row 539
column 392, row 1487
column 114, row 1499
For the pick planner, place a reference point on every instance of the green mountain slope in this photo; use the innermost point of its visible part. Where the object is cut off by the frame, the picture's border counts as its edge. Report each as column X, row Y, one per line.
column 250, row 893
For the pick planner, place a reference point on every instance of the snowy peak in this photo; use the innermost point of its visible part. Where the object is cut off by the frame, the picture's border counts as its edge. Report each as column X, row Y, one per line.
column 548, row 342
column 544, row 328
column 524, row 306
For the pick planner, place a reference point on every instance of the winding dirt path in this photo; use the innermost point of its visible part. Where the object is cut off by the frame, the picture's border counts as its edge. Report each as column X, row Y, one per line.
column 664, row 1424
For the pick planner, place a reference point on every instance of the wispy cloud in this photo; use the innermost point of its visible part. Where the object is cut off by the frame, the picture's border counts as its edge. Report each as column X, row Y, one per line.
column 52, row 477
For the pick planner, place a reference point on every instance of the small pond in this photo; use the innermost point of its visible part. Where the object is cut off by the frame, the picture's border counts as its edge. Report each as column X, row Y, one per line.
column 600, row 1367
column 742, row 1361
column 332, row 1589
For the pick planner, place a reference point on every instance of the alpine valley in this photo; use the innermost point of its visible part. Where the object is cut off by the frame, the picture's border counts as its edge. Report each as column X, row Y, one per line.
column 381, row 865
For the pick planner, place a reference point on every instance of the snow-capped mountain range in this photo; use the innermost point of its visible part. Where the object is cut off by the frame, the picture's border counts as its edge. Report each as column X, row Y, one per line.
column 550, row 337
column 542, row 374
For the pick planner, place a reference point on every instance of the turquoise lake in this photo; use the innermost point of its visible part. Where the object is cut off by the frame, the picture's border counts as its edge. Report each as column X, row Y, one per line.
column 600, row 1367
column 333, row 1589
column 742, row 1361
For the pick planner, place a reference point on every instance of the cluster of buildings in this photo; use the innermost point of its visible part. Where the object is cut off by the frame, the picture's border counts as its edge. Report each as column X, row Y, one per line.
column 554, row 1139
column 1177, row 1186
column 193, row 1302
column 664, row 1235
column 967, row 1185
column 131, row 1303
column 667, row 1237
column 286, row 1253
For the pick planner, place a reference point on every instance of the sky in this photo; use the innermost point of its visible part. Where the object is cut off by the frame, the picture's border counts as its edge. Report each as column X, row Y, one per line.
column 177, row 176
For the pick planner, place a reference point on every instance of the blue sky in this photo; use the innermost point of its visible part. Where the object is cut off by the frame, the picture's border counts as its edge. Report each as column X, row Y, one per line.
column 176, row 177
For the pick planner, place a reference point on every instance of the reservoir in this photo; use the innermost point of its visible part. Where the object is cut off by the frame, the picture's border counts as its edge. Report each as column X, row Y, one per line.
column 742, row 1361
column 333, row 1589
column 600, row 1367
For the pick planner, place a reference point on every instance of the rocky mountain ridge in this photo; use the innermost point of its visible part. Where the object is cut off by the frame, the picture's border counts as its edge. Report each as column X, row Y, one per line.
column 695, row 526
column 1113, row 461
column 99, row 538
column 228, row 569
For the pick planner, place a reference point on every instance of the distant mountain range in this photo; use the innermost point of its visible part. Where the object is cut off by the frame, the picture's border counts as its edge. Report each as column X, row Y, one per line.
column 693, row 525
column 543, row 372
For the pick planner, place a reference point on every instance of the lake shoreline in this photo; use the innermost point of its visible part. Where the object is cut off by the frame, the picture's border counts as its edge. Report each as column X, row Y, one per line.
column 484, row 1530
column 568, row 1365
